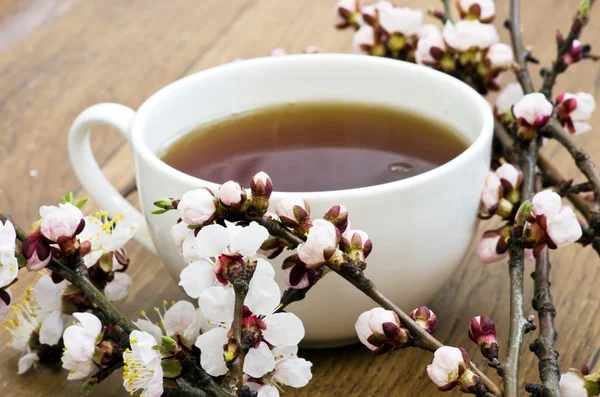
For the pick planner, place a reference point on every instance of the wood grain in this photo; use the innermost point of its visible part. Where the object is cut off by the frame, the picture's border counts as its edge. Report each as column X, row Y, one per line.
column 58, row 57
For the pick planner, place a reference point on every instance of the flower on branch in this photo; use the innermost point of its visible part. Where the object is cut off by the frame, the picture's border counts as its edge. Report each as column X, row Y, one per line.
column 501, row 191
column 321, row 244
column 261, row 187
column 425, row 317
column 493, row 246
column 450, row 368
column 80, row 345
column 297, row 275
column 531, row 113
column 551, row 223
column 290, row 370
column 469, row 36
column 432, row 50
column 61, row 224
column 574, row 384
column 36, row 250
column 356, row 244
column 482, row 331
column 198, row 207
column 181, row 322
column 366, row 40
column 143, row 370
column 380, row 330
column 575, row 52
column 348, row 14
column 482, row 10
column 573, row 110
column 262, row 328
column 499, row 57
column 215, row 250
column 232, row 194
column 294, row 212
column 338, row 216
column 511, row 94
column 399, row 25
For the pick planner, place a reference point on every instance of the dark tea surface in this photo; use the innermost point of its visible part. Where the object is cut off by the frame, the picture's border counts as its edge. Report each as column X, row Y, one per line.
column 316, row 146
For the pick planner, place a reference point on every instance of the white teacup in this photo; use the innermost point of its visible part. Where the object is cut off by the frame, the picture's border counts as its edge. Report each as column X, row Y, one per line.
column 420, row 227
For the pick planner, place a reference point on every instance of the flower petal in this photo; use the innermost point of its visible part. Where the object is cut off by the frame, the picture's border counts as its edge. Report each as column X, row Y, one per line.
column 212, row 240
column 546, row 203
column 294, row 372
column 268, row 391
column 90, row 324
column 249, row 239
column 216, row 304
column 52, row 328
column 197, row 277
column 263, row 296
column 283, row 329
column 264, row 268
column 259, row 361
column 178, row 317
column 148, row 327
column 211, row 351
column 117, row 289
column 26, row 362
column 563, row 228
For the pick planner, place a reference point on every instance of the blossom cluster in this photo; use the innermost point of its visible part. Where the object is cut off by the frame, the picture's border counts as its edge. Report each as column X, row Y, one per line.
column 469, row 47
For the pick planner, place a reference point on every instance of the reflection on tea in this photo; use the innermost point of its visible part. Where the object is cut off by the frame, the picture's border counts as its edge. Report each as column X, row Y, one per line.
column 316, row 146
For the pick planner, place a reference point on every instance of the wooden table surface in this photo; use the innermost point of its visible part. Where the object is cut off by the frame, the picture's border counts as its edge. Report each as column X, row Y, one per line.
column 59, row 56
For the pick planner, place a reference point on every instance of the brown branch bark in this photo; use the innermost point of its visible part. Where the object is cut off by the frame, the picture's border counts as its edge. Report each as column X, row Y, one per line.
column 559, row 66
column 583, row 160
column 513, row 24
column 425, row 340
column 237, row 366
column 543, row 347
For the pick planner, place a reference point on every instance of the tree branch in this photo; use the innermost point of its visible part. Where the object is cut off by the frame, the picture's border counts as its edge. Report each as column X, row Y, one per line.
column 559, row 65
column 424, row 340
column 237, row 365
column 513, row 24
column 583, row 160
column 543, row 347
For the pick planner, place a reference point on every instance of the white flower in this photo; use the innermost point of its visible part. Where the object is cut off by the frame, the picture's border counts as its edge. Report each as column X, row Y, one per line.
column 5, row 302
column 510, row 176
column 499, row 56
column 380, row 330
column 49, row 298
column 293, row 211
column 290, row 370
column 182, row 322
column 399, row 20
column 80, row 344
column 354, row 239
column 322, row 237
column 511, row 94
column 484, row 10
column 347, row 13
column 431, row 46
column 572, row 384
column 574, row 110
column 491, row 247
column 363, row 330
column 197, row 207
column 26, row 362
column 213, row 246
column 533, row 110
column 491, row 194
column 9, row 267
column 468, row 35
column 365, row 40
column 278, row 329
column 143, row 370
column 560, row 222
column 447, row 366
column 62, row 222
column 117, row 289
column 232, row 194
column 179, row 232
column 22, row 327
column 106, row 236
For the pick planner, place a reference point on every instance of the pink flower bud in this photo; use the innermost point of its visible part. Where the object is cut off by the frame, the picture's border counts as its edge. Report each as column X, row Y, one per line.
column 380, row 330
column 449, row 364
column 338, row 215
column 483, row 10
column 431, row 48
column 198, row 207
column 510, row 177
column 320, row 245
column 366, row 40
column 62, row 223
column 469, row 35
column 347, row 14
column 499, row 56
column 574, row 109
column 559, row 223
column 483, row 332
column 492, row 247
column 261, row 187
column 296, row 274
column 532, row 112
column 232, row 194
column 425, row 318
column 574, row 53
column 572, row 384
column 36, row 251
column 356, row 244
column 294, row 212
column 491, row 195
column 511, row 94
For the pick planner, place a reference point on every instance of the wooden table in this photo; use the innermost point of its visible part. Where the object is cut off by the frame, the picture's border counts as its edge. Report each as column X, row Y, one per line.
column 60, row 56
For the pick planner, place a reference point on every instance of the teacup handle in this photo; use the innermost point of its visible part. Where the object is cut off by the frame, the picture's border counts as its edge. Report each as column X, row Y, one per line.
column 89, row 173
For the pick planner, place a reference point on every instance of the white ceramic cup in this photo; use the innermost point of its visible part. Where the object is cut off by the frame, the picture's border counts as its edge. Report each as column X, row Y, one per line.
column 421, row 227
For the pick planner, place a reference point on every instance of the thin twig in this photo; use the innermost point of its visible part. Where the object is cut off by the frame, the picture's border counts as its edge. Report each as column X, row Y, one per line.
column 425, row 340
column 447, row 10
column 583, row 160
column 513, row 24
column 241, row 290
column 543, row 347
column 559, row 65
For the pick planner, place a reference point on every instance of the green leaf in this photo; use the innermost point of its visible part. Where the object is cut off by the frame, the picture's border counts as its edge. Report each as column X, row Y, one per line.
column 159, row 211
column 592, row 388
column 88, row 386
column 100, row 337
column 168, row 342
column 97, row 356
column 171, row 368
column 21, row 260
column 67, row 198
column 81, row 203
column 583, row 9
column 170, row 383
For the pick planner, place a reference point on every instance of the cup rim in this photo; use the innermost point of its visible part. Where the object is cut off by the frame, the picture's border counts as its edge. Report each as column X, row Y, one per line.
column 475, row 147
